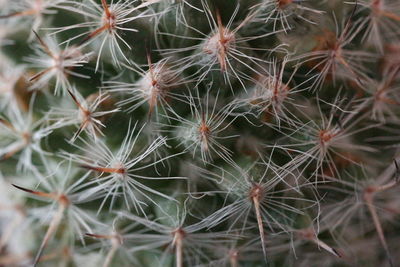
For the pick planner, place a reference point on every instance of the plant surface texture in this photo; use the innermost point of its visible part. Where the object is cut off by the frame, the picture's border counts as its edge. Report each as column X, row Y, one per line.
column 191, row 133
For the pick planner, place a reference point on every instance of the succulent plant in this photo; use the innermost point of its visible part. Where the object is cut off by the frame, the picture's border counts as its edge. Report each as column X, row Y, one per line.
column 199, row 133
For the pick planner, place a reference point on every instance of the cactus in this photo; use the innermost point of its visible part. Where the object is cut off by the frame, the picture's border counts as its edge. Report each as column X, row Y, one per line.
column 199, row 133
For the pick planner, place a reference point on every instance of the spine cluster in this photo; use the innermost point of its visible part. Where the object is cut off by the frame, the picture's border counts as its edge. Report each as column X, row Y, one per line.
column 199, row 133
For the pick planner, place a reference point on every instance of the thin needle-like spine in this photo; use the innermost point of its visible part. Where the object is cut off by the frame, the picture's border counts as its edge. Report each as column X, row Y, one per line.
column 369, row 201
column 255, row 197
column 55, row 222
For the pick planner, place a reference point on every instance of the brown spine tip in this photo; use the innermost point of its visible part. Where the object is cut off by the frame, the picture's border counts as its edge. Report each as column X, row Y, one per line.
column 106, row 8
column 25, row 189
column 91, row 168
column 397, row 175
column 19, row 14
column 336, row 253
column 284, row 3
column 120, row 170
column 40, row 74
column 93, row 34
column 43, row 44
column 96, row 235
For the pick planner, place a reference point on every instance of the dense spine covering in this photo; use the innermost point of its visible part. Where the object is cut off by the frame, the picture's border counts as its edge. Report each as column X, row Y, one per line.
column 199, row 133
